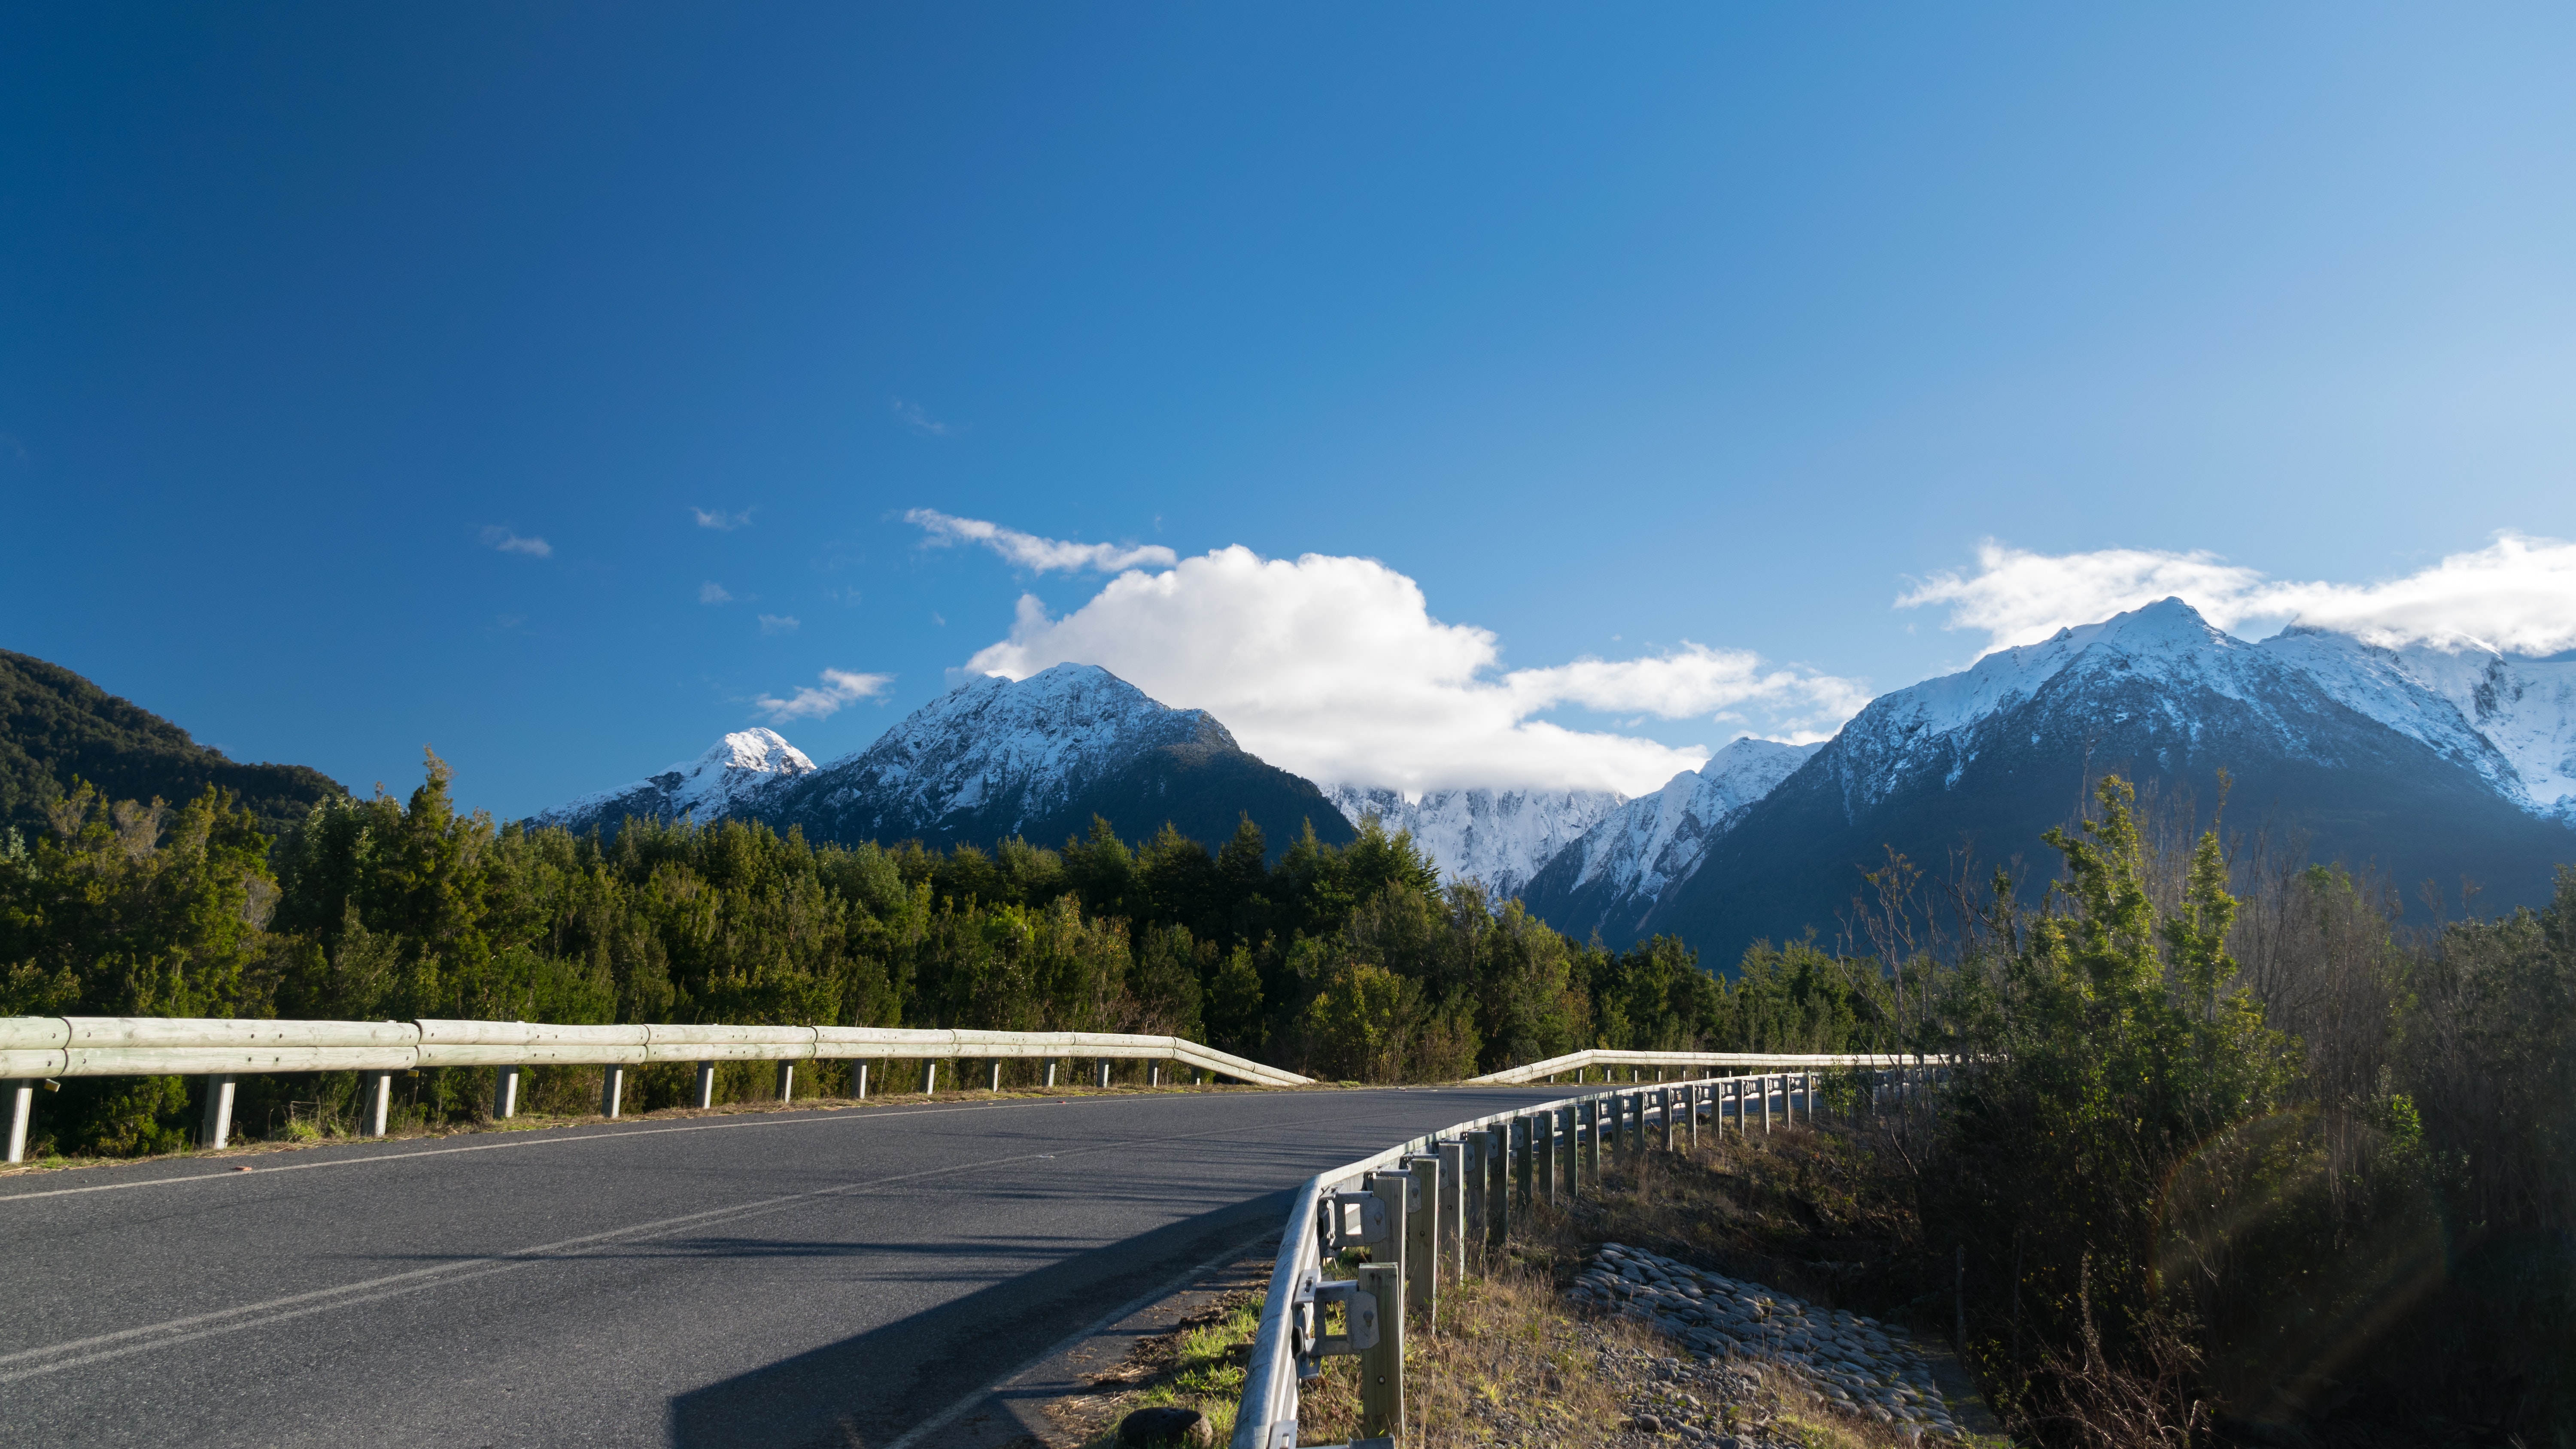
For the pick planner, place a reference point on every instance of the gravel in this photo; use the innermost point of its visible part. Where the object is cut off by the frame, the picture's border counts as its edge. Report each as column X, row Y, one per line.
column 1855, row 1364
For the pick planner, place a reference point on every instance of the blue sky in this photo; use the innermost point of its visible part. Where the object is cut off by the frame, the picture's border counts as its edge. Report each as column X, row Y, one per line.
column 1618, row 337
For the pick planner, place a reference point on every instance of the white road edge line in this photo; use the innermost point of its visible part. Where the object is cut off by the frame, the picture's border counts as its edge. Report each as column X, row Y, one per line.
column 545, row 1139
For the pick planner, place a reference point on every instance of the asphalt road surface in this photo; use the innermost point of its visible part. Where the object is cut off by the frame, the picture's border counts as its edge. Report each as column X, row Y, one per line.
column 784, row 1279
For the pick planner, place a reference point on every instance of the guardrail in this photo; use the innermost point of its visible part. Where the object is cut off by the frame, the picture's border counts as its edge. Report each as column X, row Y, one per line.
column 34, row 1048
column 1581, row 1064
column 1419, row 1205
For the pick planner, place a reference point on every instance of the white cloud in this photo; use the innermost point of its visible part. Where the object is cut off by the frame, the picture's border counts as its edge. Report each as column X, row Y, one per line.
column 840, row 688
column 508, row 542
column 2517, row 594
column 712, row 592
column 1039, row 555
column 920, row 421
column 721, row 521
column 1334, row 668
column 780, row 623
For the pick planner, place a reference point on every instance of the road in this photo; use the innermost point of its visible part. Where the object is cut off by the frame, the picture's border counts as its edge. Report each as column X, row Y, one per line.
column 779, row 1279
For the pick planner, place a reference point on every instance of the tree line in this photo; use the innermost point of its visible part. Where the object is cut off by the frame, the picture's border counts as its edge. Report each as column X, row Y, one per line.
column 1350, row 962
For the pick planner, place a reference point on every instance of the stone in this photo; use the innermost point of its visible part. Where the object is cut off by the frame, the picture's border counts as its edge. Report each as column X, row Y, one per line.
column 1165, row 1424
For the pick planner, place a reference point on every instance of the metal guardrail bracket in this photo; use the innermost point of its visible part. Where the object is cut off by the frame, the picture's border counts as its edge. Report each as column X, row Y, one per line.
column 1351, row 1220
column 1359, row 1319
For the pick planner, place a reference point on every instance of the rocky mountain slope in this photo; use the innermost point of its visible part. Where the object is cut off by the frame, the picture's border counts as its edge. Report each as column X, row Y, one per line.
column 1499, row 838
column 991, row 759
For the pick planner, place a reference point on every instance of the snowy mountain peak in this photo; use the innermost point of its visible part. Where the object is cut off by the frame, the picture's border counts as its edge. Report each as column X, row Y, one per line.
column 1499, row 838
column 763, row 750
column 740, row 769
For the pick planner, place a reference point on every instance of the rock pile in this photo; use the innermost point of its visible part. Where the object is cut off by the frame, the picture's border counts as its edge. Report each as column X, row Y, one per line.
column 1849, row 1361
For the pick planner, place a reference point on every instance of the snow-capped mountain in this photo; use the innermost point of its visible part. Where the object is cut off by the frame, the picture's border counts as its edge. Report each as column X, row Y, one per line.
column 2367, row 756
column 1499, row 838
column 744, row 769
column 991, row 759
column 2511, row 720
column 1620, row 867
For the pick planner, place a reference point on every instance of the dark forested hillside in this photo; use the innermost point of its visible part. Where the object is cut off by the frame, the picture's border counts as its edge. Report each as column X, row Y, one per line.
column 56, row 727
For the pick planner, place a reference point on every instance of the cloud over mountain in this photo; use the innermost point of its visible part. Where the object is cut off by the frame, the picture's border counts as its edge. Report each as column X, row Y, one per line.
column 2518, row 594
column 1334, row 667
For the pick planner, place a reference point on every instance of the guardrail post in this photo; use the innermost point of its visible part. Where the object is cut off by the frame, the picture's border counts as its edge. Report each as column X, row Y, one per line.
column 505, row 1093
column 1766, row 1105
column 706, row 1093
column 612, row 1090
column 1690, row 1113
column 930, row 1076
column 1399, row 1192
column 1591, row 1130
column 859, row 1076
column 1104, row 1073
column 1421, row 1235
column 1382, row 1364
column 380, row 1100
column 1050, row 1073
column 1664, row 1117
column 1452, row 1209
column 1498, row 1184
column 1542, row 1157
column 22, row 1106
column 218, row 1126
column 996, row 1083
column 787, row 1081
column 1566, row 1154
column 1153, row 1074
column 1471, row 1187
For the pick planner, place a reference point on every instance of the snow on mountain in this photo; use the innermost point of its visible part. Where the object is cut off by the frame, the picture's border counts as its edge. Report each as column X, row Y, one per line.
column 1497, row 837
column 2511, row 720
column 1935, row 721
column 1023, row 748
column 743, row 769
column 1654, row 840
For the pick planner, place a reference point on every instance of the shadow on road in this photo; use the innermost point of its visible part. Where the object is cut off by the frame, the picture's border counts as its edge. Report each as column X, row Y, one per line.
column 868, row 1390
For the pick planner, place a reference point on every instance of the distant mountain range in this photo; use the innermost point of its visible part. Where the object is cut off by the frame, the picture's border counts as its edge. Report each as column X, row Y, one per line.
column 2429, row 762
column 991, row 759
column 56, row 728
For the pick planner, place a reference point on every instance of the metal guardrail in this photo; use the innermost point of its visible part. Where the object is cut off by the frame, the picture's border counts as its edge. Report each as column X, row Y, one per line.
column 35, row 1048
column 1437, row 1193
column 1580, row 1064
